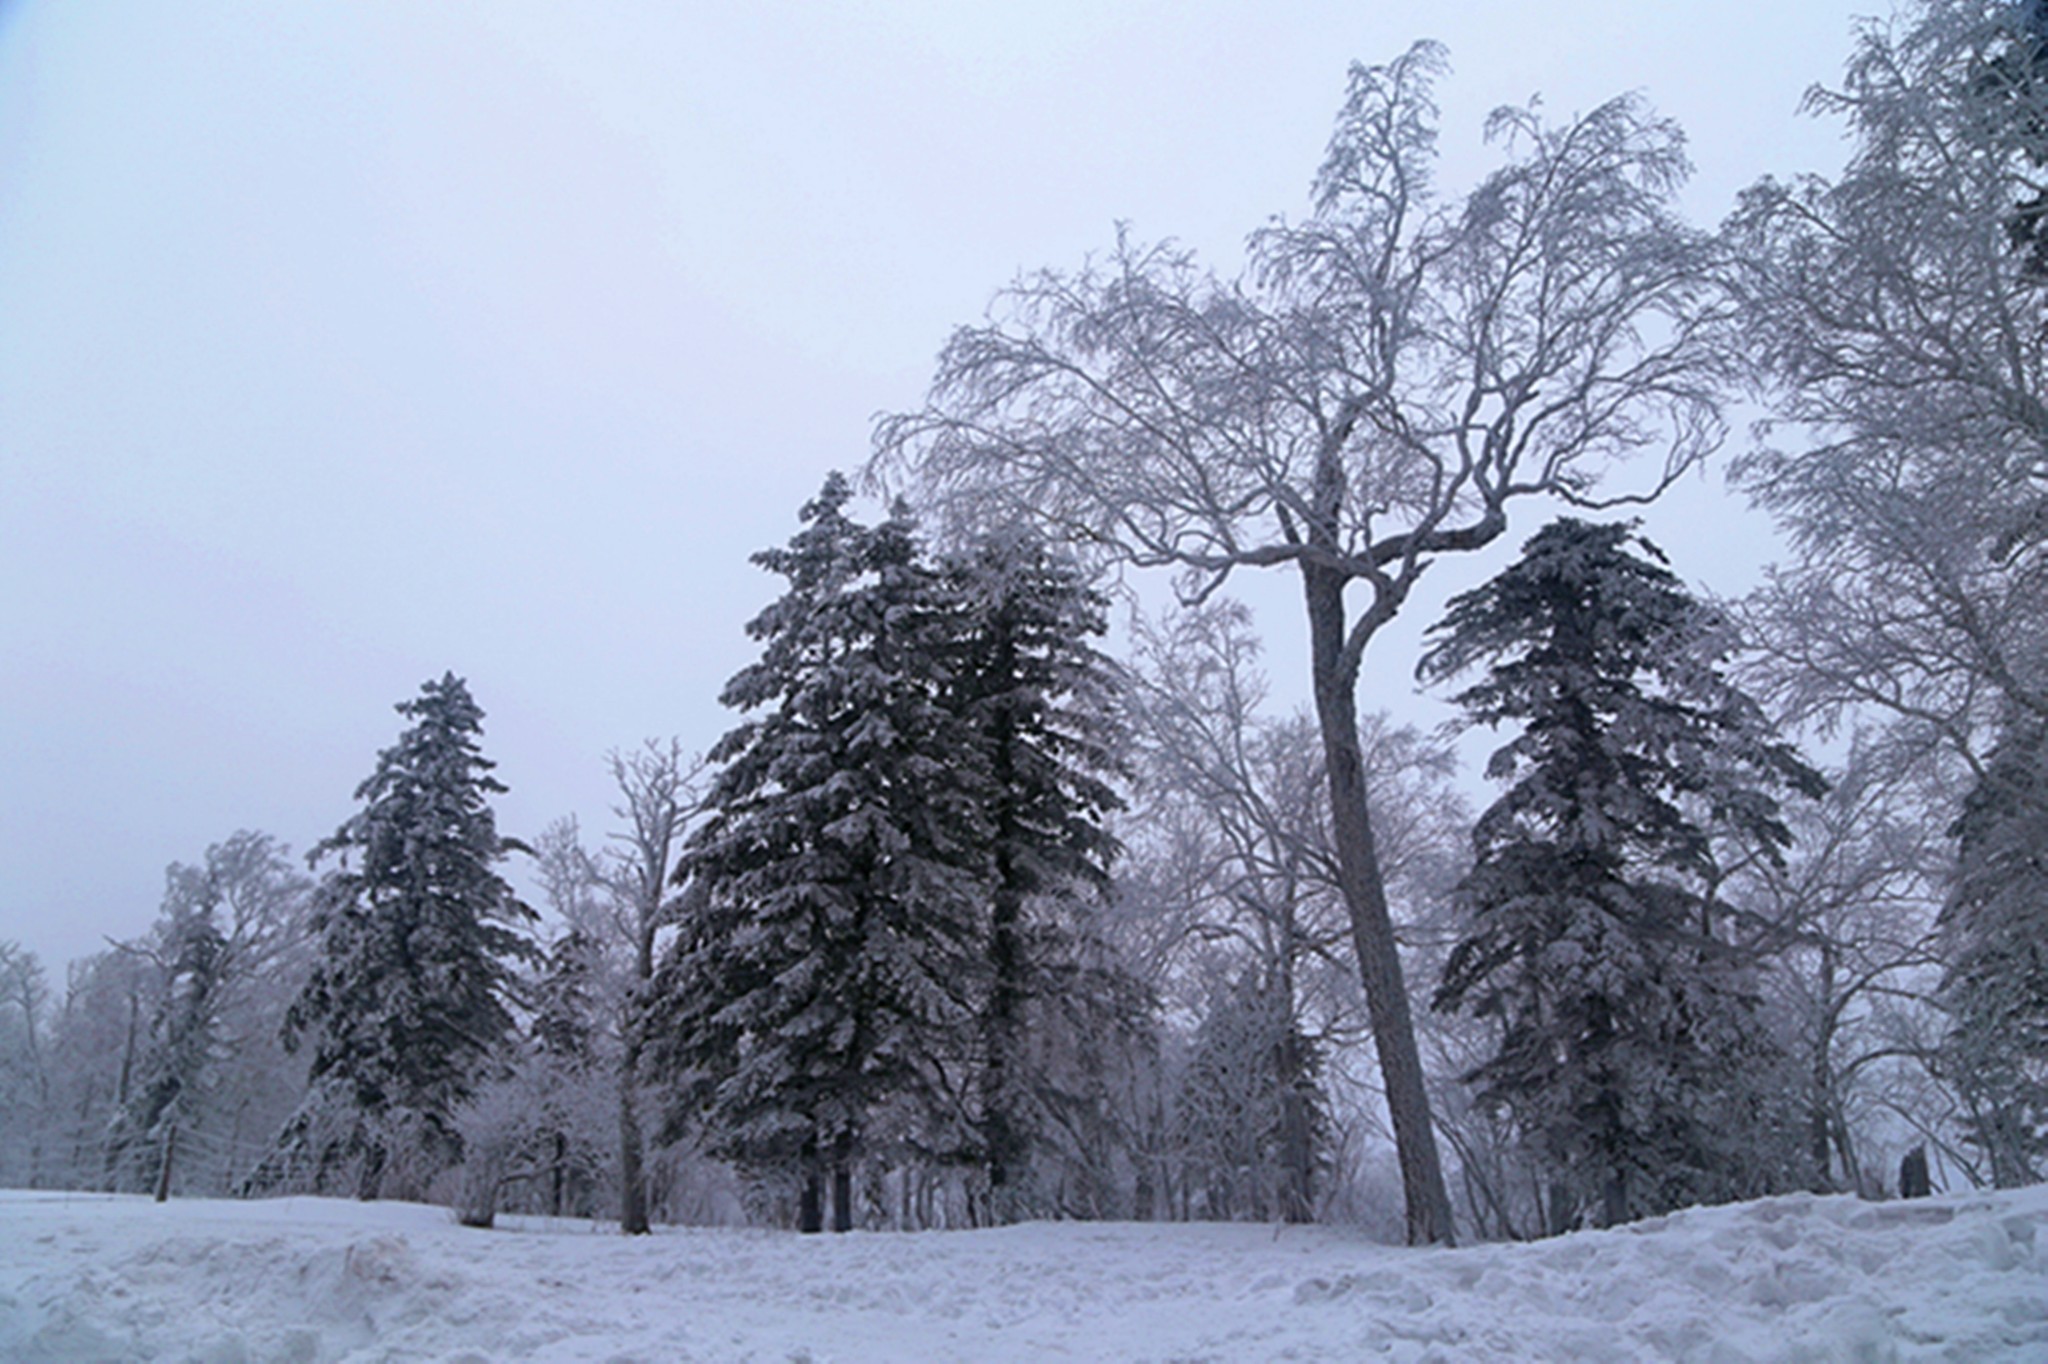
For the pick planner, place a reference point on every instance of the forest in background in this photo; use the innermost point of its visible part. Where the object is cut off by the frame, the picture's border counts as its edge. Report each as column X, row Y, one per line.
column 967, row 922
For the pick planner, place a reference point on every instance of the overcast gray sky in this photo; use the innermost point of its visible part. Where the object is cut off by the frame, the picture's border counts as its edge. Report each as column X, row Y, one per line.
column 341, row 345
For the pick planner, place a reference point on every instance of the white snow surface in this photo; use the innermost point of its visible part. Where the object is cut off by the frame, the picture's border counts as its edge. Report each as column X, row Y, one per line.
column 89, row 1277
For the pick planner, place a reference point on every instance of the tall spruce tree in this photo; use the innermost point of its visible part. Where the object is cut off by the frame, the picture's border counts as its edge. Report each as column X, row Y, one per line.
column 827, row 961
column 1591, row 934
column 1037, row 699
column 406, row 1007
column 1995, row 938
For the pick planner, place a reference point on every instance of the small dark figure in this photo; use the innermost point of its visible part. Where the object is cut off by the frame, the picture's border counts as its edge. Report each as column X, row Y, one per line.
column 1913, row 1181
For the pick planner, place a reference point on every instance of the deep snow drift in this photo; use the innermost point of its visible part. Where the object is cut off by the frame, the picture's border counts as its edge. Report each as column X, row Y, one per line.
column 89, row 1277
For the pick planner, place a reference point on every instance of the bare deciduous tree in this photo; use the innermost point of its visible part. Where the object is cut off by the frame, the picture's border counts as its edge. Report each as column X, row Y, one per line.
column 1248, row 790
column 1899, row 318
column 1848, row 917
column 621, row 898
column 1371, row 393
column 661, row 789
column 24, row 1070
column 1902, row 341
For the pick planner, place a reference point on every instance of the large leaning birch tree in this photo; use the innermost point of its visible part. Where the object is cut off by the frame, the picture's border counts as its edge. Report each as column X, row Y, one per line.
column 1370, row 392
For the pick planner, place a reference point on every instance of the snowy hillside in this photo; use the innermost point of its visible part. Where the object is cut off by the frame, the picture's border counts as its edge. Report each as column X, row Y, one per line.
column 86, row 1277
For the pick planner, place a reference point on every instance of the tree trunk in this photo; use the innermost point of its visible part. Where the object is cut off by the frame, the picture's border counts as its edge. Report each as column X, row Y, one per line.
column 558, row 1173
column 1913, row 1180
column 810, row 1205
column 1297, row 1149
column 1614, row 1199
column 128, row 1048
column 632, row 1146
column 163, row 1174
column 842, row 1184
column 632, row 1151
column 1428, row 1203
column 1845, row 1150
column 1297, row 1200
column 1819, row 1127
column 1563, row 1209
column 1001, row 1026
column 1819, row 1139
column 370, row 1178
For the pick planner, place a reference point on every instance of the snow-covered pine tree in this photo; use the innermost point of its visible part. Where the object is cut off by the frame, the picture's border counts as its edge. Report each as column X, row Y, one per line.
column 406, row 1007
column 564, row 1022
column 1995, row 939
column 827, row 958
column 1590, row 932
column 1037, row 697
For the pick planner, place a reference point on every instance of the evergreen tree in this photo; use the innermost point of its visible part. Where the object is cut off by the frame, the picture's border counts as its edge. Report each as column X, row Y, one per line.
column 1036, row 697
column 828, row 954
column 1995, row 932
column 564, row 1004
column 1591, row 933
column 407, row 1005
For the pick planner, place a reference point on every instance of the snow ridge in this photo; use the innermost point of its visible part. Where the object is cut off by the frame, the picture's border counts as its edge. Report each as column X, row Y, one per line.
column 319, row 1281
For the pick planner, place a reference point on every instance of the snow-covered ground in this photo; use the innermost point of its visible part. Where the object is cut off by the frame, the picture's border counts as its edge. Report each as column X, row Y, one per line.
column 86, row 1277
